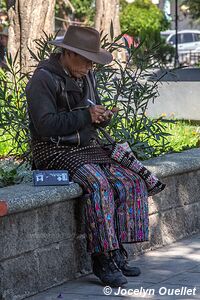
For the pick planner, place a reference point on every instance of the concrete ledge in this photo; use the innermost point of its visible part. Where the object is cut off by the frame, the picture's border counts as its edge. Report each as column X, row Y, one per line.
column 175, row 163
column 42, row 235
column 23, row 197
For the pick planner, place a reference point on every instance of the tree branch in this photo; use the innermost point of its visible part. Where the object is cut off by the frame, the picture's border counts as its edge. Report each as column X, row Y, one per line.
column 68, row 3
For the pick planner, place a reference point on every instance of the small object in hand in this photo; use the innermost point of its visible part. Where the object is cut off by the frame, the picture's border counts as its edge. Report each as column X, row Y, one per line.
column 90, row 102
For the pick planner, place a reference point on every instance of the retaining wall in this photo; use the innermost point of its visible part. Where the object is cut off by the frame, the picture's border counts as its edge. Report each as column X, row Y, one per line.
column 42, row 242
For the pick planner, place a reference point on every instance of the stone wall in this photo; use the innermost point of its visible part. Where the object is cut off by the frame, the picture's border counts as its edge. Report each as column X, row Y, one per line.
column 42, row 240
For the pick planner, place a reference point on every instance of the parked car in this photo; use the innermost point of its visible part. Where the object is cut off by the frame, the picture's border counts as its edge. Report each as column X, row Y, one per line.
column 188, row 41
column 166, row 33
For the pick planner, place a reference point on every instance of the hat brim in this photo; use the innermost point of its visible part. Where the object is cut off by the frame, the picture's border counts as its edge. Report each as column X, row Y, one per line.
column 102, row 57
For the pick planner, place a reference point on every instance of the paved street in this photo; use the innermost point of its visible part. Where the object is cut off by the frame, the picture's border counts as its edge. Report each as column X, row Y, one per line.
column 171, row 272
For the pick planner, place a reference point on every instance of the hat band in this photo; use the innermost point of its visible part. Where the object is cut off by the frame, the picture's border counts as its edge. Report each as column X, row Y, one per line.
column 82, row 46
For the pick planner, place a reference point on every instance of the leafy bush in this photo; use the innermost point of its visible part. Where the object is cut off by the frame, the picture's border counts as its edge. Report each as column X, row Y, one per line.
column 128, row 88
column 184, row 135
column 13, row 172
column 43, row 48
column 13, row 109
column 14, row 129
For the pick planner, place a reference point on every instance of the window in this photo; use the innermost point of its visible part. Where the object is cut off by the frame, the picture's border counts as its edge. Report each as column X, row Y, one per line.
column 187, row 37
column 197, row 37
column 172, row 40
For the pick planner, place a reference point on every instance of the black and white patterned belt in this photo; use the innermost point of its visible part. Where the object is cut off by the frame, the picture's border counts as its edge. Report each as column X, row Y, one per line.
column 63, row 140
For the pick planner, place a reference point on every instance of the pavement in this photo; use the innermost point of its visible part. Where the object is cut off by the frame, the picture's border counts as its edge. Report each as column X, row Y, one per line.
column 168, row 273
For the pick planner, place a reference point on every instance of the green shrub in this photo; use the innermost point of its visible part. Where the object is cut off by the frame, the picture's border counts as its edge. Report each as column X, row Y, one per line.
column 13, row 172
column 13, row 109
column 127, row 87
column 14, row 129
column 184, row 135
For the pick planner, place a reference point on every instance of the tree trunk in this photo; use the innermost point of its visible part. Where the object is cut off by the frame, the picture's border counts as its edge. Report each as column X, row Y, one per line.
column 28, row 19
column 107, row 11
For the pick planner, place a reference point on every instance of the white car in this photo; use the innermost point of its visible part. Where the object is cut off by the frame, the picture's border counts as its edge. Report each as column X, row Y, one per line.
column 188, row 41
column 166, row 33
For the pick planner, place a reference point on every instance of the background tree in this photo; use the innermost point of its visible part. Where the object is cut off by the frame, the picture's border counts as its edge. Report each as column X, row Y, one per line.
column 63, row 10
column 74, row 10
column 28, row 19
column 84, row 11
column 107, row 11
column 107, row 21
column 142, row 19
column 194, row 9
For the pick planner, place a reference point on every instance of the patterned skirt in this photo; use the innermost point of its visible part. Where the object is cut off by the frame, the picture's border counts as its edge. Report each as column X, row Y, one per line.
column 117, row 210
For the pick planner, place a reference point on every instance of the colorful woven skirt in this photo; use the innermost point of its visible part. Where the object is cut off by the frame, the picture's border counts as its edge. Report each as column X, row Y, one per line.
column 117, row 210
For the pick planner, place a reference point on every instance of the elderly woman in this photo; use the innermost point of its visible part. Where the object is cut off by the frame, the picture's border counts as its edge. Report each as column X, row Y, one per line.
column 63, row 126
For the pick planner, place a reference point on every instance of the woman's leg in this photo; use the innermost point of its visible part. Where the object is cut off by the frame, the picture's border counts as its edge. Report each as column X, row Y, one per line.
column 131, row 200
column 131, row 220
column 100, row 209
column 100, row 230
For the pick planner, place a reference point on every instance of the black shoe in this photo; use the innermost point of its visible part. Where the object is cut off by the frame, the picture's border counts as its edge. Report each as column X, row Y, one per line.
column 120, row 257
column 105, row 268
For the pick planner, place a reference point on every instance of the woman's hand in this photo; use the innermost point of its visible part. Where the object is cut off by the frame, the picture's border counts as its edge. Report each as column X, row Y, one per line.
column 115, row 109
column 107, row 115
column 97, row 112
column 100, row 114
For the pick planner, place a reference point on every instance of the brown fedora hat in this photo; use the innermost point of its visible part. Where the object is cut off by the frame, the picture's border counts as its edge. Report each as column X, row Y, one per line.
column 84, row 41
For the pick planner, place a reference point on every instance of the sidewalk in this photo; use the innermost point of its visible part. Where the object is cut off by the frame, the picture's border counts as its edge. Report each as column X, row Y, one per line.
column 174, row 269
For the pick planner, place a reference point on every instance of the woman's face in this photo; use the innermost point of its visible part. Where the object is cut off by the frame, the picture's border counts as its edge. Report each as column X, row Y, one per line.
column 78, row 65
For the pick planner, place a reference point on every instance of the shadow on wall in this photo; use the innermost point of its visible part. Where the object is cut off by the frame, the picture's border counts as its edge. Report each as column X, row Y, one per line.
column 174, row 213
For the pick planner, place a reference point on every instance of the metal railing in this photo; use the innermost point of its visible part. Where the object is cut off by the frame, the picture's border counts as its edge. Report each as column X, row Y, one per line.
column 187, row 59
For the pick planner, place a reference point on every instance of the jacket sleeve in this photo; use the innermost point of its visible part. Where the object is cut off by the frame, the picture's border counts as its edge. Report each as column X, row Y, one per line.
column 41, row 99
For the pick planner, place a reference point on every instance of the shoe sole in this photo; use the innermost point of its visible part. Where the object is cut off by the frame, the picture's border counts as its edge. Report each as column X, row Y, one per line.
column 131, row 275
column 114, row 285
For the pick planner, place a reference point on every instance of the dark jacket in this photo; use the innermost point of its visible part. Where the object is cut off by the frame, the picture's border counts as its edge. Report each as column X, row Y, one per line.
column 57, row 109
